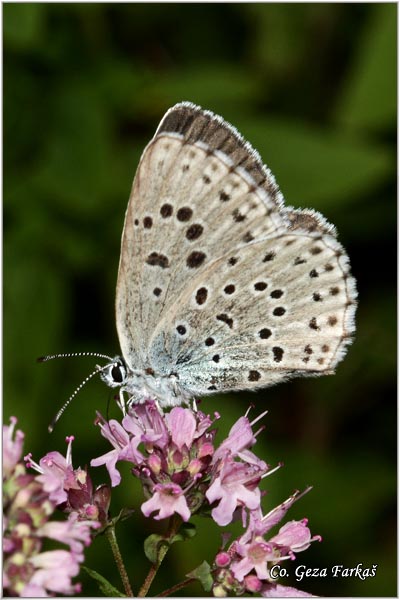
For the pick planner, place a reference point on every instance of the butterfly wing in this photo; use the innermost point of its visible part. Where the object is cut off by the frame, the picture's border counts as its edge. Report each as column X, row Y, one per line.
column 285, row 308
column 188, row 206
column 219, row 283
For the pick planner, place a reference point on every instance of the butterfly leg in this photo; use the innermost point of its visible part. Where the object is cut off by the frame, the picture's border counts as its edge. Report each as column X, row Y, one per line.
column 121, row 401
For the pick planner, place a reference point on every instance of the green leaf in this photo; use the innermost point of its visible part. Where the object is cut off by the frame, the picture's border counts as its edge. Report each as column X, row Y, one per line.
column 203, row 574
column 369, row 99
column 186, row 532
column 105, row 586
column 152, row 545
column 124, row 513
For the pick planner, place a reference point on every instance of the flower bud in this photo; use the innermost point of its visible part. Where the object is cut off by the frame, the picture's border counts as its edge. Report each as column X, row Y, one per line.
column 222, row 559
column 81, row 476
column 177, row 459
column 194, row 466
column 252, row 583
column 154, row 462
column 206, row 449
column 219, row 591
column 91, row 512
column 102, row 499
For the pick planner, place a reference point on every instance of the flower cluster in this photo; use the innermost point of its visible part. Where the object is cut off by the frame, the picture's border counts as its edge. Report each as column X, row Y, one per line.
column 183, row 471
column 246, row 566
column 29, row 503
column 179, row 467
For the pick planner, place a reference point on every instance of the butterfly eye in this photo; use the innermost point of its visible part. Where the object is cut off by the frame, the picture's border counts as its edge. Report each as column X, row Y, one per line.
column 118, row 373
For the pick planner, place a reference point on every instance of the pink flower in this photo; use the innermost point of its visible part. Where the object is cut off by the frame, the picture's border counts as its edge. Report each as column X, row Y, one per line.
column 294, row 536
column 53, row 573
column 240, row 437
column 253, row 552
column 203, row 423
column 56, row 473
column 12, row 446
column 255, row 556
column 70, row 489
column 182, row 426
column 167, row 499
column 147, row 424
column 264, row 524
column 73, row 532
column 235, row 482
column 259, row 525
column 235, row 485
column 57, row 477
column 125, row 448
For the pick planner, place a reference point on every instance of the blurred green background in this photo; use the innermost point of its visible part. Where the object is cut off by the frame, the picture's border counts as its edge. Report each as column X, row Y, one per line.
column 313, row 87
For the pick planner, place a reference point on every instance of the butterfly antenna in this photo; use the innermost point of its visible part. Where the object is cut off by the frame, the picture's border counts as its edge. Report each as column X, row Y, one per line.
column 72, row 396
column 72, row 354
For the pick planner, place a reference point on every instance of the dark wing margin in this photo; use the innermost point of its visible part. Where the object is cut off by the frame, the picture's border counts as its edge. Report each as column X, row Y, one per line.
column 196, row 125
column 308, row 220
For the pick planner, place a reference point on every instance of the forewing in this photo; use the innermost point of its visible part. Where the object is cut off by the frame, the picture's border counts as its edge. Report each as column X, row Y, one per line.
column 200, row 190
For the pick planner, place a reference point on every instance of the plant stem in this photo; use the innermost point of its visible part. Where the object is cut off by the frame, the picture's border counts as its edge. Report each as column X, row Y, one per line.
column 174, row 524
column 112, row 538
column 175, row 588
column 152, row 572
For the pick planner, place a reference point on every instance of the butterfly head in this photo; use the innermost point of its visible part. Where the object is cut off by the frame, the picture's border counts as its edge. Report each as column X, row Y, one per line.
column 143, row 385
column 115, row 373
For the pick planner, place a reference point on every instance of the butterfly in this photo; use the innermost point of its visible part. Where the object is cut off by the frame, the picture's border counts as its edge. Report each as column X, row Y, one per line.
column 221, row 287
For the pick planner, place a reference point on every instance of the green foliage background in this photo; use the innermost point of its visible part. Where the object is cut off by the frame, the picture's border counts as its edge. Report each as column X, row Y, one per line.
column 313, row 87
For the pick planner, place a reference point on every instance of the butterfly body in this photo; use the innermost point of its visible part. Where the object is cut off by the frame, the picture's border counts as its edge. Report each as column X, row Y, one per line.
column 221, row 286
column 142, row 386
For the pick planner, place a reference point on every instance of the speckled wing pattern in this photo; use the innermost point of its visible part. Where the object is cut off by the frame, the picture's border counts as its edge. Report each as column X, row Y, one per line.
column 219, row 283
